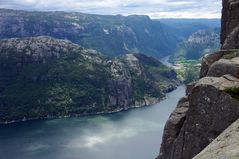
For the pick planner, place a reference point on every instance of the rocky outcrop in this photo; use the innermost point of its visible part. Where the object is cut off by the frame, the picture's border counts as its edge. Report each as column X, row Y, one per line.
column 224, row 146
column 232, row 41
column 208, row 60
column 230, row 18
column 44, row 77
column 224, row 66
column 173, row 127
column 211, row 110
column 213, row 101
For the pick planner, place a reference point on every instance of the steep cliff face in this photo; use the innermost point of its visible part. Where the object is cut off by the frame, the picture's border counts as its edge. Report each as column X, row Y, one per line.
column 43, row 77
column 230, row 18
column 213, row 101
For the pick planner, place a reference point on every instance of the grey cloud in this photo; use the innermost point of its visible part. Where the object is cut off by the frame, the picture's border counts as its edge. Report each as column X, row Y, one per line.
column 183, row 8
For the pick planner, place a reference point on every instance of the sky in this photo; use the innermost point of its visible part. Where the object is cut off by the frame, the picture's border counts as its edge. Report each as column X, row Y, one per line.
column 154, row 8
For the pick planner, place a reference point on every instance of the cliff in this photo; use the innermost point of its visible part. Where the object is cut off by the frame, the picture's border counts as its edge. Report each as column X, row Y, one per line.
column 44, row 77
column 211, row 104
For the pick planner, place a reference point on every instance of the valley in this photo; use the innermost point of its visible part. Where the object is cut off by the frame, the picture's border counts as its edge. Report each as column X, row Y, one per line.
column 96, row 86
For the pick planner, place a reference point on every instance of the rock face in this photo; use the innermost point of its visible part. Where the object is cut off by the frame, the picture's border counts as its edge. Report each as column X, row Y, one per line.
column 232, row 41
column 224, row 66
column 230, row 19
column 213, row 101
column 224, row 146
column 173, row 127
column 211, row 110
column 43, row 77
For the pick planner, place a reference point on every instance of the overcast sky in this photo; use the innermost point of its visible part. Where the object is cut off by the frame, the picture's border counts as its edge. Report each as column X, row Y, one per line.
column 153, row 8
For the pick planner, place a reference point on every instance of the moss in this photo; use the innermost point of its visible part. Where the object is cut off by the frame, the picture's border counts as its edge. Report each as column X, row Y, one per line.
column 233, row 91
column 231, row 54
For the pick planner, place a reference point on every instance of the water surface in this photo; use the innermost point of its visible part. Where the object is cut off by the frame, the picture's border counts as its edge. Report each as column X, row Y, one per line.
column 134, row 134
column 165, row 61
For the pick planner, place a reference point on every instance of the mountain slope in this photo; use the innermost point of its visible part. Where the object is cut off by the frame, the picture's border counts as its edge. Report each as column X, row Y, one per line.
column 43, row 77
column 184, row 28
column 112, row 35
column 198, row 44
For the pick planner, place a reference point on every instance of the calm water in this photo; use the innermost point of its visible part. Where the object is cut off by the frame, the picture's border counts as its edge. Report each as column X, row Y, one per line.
column 166, row 62
column 134, row 134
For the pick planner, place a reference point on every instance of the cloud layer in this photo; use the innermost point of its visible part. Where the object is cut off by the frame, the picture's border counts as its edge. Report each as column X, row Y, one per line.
column 153, row 8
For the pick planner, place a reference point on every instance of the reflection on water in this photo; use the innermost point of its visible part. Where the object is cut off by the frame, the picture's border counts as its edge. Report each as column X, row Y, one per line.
column 127, row 135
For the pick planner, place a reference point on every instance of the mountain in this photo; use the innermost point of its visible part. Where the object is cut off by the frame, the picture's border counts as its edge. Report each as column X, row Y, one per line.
column 188, row 53
column 205, row 122
column 183, row 28
column 197, row 45
column 111, row 35
column 44, row 77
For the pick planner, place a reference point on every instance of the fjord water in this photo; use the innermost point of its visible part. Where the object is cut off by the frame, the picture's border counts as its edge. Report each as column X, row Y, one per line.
column 131, row 134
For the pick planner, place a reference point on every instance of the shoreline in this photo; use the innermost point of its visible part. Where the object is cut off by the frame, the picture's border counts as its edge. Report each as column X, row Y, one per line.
column 98, row 113
column 24, row 120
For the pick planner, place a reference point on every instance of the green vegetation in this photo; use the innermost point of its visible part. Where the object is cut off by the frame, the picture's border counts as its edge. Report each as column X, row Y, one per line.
column 198, row 44
column 44, row 77
column 188, row 53
column 233, row 91
column 112, row 35
column 232, row 54
column 189, row 70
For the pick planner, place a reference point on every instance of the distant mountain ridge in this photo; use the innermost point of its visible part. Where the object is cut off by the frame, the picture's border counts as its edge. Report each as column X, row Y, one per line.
column 197, row 45
column 184, row 28
column 111, row 35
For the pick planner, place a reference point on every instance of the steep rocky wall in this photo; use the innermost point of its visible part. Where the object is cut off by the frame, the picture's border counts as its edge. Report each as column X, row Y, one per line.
column 213, row 101
column 211, row 110
column 230, row 17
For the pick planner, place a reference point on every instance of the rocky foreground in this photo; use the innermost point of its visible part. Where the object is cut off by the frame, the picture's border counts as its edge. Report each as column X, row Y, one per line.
column 211, row 104
column 43, row 77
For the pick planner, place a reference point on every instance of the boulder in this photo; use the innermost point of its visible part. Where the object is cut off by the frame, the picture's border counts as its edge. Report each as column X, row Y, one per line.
column 208, row 60
column 223, row 67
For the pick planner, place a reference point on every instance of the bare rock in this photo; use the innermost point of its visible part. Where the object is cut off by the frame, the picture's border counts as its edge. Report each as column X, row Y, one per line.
column 223, row 67
column 230, row 18
column 189, row 88
column 232, row 41
column 173, row 127
column 224, row 146
column 208, row 60
column 211, row 110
